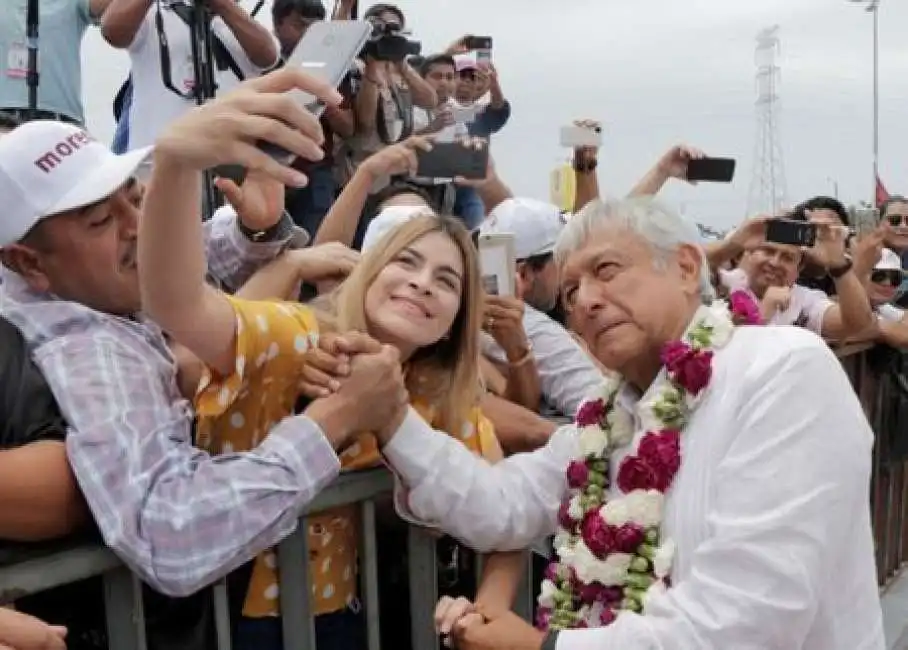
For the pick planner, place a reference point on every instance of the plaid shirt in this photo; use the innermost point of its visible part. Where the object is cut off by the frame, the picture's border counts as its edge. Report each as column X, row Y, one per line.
column 176, row 516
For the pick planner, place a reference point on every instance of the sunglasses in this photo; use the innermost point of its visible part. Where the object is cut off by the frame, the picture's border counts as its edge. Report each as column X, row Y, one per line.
column 896, row 220
column 887, row 277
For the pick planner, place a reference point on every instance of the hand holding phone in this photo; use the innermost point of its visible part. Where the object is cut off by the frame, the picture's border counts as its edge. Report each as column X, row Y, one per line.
column 497, row 263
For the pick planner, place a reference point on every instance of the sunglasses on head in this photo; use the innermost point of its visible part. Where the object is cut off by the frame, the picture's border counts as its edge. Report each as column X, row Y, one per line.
column 887, row 277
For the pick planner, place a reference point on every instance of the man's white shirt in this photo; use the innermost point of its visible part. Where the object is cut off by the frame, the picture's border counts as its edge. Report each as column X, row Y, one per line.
column 153, row 105
column 770, row 509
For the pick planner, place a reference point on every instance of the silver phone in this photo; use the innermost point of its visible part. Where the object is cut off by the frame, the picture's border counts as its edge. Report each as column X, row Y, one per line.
column 498, row 263
column 326, row 51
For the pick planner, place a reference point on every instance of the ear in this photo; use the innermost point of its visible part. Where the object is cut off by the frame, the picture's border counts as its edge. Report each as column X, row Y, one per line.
column 690, row 262
column 28, row 264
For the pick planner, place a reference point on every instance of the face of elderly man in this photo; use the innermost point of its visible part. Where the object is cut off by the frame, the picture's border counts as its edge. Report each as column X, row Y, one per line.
column 628, row 298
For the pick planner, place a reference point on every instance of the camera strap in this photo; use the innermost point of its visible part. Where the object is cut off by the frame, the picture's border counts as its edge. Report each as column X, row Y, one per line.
column 223, row 59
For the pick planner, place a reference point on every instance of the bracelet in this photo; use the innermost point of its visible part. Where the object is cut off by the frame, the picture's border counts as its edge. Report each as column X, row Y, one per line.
column 524, row 359
column 281, row 230
column 585, row 167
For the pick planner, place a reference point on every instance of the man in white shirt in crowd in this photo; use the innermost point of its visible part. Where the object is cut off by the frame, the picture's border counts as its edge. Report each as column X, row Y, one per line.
column 61, row 26
column 567, row 375
column 769, row 271
column 768, row 513
column 159, row 40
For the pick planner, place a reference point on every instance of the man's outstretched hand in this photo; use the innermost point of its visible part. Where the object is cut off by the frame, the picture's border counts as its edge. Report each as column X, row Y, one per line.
column 501, row 631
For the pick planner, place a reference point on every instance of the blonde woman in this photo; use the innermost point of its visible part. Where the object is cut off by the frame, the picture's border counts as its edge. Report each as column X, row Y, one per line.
column 416, row 289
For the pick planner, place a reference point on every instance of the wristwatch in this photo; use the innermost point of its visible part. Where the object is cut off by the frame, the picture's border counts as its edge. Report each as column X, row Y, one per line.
column 839, row 271
column 550, row 641
column 281, row 230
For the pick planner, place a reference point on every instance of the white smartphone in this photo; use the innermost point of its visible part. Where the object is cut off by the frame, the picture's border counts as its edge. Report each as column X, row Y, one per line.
column 497, row 264
column 326, row 51
column 580, row 136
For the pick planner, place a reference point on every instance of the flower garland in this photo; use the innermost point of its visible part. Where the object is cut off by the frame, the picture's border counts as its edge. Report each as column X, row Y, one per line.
column 611, row 553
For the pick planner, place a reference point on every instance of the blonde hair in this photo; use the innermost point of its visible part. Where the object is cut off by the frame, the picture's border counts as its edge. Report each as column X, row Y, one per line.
column 446, row 373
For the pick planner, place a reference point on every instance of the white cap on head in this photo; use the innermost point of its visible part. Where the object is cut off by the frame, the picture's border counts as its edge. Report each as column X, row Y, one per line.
column 47, row 168
column 535, row 225
column 389, row 219
column 889, row 261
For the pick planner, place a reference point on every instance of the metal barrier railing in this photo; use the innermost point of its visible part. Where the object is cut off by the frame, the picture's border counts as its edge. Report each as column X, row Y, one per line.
column 29, row 572
column 877, row 380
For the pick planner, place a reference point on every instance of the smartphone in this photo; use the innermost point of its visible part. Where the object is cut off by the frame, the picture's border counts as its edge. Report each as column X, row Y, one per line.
column 326, row 51
column 482, row 45
column 865, row 220
column 236, row 173
column 711, row 170
column 580, row 136
column 497, row 263
column 453, row 159
column 789, row 231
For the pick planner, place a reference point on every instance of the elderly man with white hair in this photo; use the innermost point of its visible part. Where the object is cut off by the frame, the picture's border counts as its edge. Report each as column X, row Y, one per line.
column 713, row 493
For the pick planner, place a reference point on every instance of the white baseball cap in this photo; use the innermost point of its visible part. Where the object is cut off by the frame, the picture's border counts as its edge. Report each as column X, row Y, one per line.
column 47, row 168
column 889, row 261
column 535, row 225
column 389, row 219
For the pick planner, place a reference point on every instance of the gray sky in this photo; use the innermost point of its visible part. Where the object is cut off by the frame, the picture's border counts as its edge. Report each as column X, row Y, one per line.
column 660, row 72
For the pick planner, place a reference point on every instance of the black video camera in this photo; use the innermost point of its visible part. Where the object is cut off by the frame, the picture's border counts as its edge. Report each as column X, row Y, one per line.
column 387, row 43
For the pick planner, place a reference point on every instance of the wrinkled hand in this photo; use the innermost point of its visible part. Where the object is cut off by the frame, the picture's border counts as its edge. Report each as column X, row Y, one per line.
column 454, row 616
column 376, row 392
column 774, row 300
column 503, row 319
column 20, row 631
column 751, row 233
column 674, row 162
column 398, row 159
column 332, row 261
column 501, row 631
column 259, row 201
column 226, row 130
column 867, row 251
column 829, row 250
column 327, row 364
column 444, row 117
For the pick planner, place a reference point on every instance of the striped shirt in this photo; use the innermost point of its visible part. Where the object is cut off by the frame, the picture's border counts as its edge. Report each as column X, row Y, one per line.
column 176, row 516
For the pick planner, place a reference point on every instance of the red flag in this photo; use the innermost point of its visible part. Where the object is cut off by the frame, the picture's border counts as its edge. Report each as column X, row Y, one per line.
column 882, row 195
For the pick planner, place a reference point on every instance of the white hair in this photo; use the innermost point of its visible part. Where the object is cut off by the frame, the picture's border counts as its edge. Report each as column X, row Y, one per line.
column 663, row 228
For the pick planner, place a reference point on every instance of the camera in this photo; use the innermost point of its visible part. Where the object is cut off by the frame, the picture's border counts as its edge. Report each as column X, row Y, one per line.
column 388, row 43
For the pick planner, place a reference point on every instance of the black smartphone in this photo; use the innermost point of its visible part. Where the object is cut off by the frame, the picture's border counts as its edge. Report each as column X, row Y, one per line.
column 789, row 231
column 453, row 159
column 478, row 42
column 711, row 170
column 236, row 173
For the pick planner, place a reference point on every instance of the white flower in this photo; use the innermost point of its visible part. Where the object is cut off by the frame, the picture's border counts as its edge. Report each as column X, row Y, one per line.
column 593, row 440
column 593, row 616
column 615, row 512
column 583, row 614
column 644, row 507
column 547, row 593
column 718, row 318
column 655, row 591
column 621, row 427
column 662, row 560
column 610, row 572
column 561, row 540
column 575, row 511
column 611, row 384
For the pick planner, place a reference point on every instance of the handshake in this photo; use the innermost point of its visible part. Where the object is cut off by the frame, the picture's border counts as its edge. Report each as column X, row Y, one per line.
column 357, row 386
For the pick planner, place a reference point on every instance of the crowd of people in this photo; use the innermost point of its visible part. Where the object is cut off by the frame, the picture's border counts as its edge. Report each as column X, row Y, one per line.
column 183, row 384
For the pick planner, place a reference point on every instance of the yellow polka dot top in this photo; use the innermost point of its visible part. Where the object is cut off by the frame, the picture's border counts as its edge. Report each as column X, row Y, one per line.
column 235, row 414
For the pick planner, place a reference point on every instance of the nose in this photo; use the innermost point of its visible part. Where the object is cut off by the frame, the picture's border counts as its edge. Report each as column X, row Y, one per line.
column 421, row 281
column 589, row 298
column 127, row 216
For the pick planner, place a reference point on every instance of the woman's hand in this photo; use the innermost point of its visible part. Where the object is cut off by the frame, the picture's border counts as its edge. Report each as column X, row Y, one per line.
column 503, row 319
column 327, row 364
column 259, row 201
column 332, row 261
column 20, row 631
column 453, row 615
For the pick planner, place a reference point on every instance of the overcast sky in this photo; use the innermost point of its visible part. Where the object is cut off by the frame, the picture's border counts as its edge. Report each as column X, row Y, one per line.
column 660, row 72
